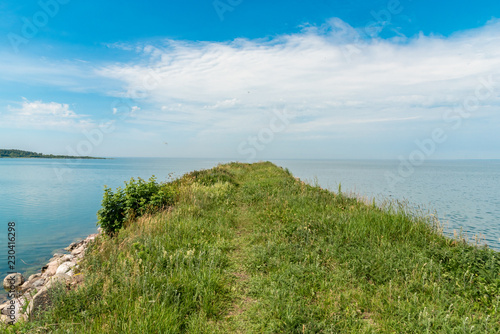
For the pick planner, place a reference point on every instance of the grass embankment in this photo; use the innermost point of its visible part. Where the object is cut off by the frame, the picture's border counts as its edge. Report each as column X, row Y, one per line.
column 250, row 249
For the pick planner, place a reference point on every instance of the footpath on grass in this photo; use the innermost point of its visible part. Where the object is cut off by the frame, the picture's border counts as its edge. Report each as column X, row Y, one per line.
column 248, row 248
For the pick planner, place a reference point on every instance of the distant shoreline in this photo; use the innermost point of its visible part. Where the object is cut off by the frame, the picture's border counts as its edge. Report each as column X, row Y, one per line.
column 16, row 154
column 56, row 157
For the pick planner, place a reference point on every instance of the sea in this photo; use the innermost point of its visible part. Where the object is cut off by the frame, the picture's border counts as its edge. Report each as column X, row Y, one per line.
column 53, row 202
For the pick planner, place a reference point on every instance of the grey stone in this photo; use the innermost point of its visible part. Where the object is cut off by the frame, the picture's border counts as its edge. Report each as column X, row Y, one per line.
column 57, row 279
column 40, row 301
column 65, row 258
column 65, row 267
column 38, row 283
column 5, row 308
column 12, row 309
column 34, row 276
column 13, row 281
column 26, row 285
column 78, row 250
column 71, row 246
column 51, row 268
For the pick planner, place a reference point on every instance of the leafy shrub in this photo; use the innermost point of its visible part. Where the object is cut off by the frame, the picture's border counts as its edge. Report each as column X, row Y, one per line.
column 137, row 198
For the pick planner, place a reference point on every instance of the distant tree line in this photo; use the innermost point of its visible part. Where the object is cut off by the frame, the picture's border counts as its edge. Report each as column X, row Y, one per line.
column 27, row 154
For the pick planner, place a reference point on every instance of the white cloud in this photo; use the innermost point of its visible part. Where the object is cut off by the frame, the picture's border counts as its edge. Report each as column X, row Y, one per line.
column 223, row 104
column 41, row 115
column 228, row 86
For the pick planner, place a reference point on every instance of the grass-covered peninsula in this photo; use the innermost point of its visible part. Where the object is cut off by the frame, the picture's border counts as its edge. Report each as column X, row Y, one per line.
column 248, row 248
column 11, row 153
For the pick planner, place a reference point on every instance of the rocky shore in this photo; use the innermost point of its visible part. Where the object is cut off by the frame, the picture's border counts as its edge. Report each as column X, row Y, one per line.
column 32, row 295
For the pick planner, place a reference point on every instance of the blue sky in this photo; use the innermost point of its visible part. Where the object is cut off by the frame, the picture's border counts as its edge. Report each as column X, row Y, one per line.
column 251, row 80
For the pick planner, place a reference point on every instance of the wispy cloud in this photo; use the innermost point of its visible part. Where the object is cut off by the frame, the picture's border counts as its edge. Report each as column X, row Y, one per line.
column 223, row 104
column 398, row 79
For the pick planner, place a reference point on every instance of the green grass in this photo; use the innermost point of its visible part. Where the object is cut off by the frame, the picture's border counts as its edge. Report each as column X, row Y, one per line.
column 250, row 249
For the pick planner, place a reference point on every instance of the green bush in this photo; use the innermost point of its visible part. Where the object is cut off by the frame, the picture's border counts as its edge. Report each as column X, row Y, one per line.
column 137, row 198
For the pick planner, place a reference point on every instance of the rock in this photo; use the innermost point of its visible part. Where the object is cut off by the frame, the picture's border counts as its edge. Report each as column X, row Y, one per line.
column 65, row 267
column 26, row 285
column 4, row 308
column 22, row 301
column 56, row 257
column 13, row 281
column 50, row 269
column 72, row 246
column 78, row 250
column 34, row 276
column 65, row 258
column 90, row 238
column 59, row 270
column 38, row 283
column 12, row 309
column 57, row 279
column 40, row 301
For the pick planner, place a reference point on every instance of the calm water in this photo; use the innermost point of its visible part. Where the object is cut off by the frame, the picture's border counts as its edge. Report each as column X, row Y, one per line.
column 465, row 194
column 53, row 207
column 54, row 202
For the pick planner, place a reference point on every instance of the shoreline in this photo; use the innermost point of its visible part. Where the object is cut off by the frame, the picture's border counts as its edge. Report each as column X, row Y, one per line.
column 32, row 292
column 58, row 158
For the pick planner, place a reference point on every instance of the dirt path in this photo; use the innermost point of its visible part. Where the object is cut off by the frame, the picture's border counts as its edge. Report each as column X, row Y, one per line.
column 236, row 320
